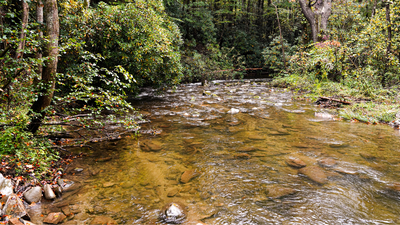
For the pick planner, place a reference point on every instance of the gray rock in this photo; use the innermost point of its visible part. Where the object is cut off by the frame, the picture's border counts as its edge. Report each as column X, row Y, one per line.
column 66, row 185
column 48, row 192
column 57, row 190
column 174, row 213
column 14, row 208
column 33, row 195
column 6, row 187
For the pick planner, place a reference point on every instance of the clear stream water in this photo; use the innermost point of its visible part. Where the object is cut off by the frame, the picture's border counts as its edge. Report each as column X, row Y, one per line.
column 240, row 157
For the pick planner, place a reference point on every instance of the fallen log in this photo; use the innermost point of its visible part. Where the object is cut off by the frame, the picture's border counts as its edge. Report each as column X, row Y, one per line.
column 321, row 100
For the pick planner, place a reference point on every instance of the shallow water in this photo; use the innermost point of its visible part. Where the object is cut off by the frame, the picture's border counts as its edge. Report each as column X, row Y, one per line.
column 240, row 157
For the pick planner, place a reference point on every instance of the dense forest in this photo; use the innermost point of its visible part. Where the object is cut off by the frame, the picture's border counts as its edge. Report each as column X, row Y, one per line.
column 62, row 59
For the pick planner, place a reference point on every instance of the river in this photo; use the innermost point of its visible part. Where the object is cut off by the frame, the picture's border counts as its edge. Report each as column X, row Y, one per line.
column 239, row 138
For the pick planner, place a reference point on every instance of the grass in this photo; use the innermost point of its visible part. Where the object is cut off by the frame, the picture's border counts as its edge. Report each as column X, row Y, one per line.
column 372, row 105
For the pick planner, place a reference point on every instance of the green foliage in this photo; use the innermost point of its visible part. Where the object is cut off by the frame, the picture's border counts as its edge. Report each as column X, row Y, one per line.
column 212, row 64
column 19, row 148
column 273, row 54
column 136, row 36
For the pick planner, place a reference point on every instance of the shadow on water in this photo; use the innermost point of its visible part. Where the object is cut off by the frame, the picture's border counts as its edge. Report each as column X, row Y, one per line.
column 239, row 139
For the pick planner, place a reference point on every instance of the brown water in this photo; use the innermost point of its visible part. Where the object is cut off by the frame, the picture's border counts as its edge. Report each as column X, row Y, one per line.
column 240, row 157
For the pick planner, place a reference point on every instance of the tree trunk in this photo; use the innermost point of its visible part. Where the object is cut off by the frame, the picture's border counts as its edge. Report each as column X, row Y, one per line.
column 50, row 69
column 25, row 16
column 389, row 29
column 325, row 11
column 310, row 16
column 323, row 8
column 373, row 8
column 281, row 37
column 39, row 19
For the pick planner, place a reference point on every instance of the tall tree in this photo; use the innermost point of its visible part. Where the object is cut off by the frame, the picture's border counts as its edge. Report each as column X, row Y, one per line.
column 317, row 13
column 47, row 82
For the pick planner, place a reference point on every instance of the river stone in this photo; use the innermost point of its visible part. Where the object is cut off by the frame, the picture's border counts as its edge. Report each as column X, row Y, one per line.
column 33, row 195
column 346, row 171
column 54, row 218
column 174, row 213
column 15, row 221
column 315, row 174
column 188, row 175
column 108, row 184
column 242, row 156
column 14, row 208
column 173, row 192
column 67, row 185
column 277, row 191
column 153, row 146
column 395, row 187
column 295, row 162
column 6, row 187
column 48, row 192
column 100, row 220
column 247, row 149
column 233, row 111
column 367, row 156
column 327, row 162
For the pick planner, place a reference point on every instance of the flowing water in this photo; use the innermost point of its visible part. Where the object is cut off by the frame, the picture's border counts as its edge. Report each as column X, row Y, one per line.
column 238, row 137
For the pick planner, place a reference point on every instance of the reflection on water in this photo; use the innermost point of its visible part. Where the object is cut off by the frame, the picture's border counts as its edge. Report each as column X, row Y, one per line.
column 239, row 137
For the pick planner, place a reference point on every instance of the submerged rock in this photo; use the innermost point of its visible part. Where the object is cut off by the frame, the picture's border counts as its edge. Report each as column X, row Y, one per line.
column 67, row 185
column 100, row 220
column 173, row 212
column 277, row 191
column 327, row 162
column 315, row 174
column 33, row 195
column 151, row 146
column 54, row 218
column 233, row 111
column 367, row 156
column 173, row 192
column 188, row 175
column 295, row 162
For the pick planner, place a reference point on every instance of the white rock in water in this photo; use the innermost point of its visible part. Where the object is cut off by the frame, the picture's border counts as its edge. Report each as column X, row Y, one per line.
column 174, row 211
column 233, row 111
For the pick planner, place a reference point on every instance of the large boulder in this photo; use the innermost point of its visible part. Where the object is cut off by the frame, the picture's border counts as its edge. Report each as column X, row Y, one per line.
column 33, row 195
column 174, row 213
column 315, row 174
